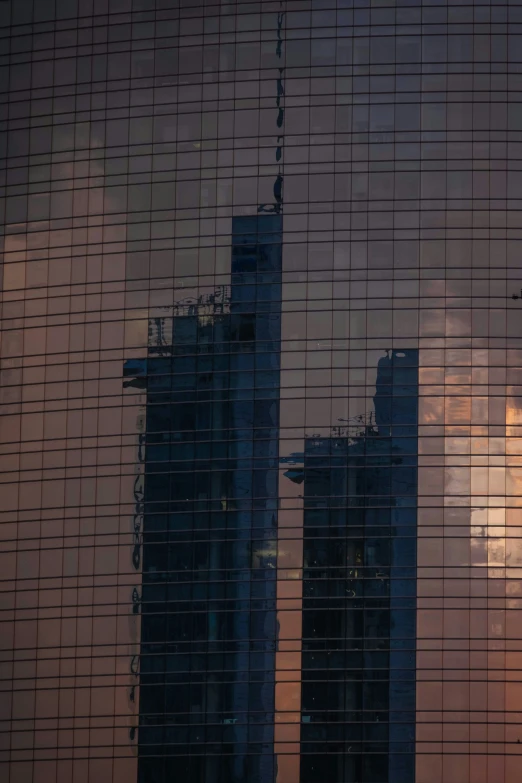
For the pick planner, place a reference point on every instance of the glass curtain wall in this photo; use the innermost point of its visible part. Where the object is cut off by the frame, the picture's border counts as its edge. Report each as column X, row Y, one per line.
column 260, row 348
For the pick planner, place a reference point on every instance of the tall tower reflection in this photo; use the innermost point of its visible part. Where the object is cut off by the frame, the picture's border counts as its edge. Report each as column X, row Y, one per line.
column 206, row 690
column 359, row 590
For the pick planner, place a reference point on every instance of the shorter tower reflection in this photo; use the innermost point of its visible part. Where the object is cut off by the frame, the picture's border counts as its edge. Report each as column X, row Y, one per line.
column 359, row 589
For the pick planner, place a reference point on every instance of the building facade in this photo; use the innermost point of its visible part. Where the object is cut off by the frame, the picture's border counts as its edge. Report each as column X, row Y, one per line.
column 260, row 422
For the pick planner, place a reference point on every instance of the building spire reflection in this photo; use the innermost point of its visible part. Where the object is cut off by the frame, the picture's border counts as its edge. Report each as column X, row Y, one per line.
column 277, row 206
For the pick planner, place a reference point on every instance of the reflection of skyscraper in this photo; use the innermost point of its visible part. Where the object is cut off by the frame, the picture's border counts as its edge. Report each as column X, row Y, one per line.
column 359, row 605
column 210, row 514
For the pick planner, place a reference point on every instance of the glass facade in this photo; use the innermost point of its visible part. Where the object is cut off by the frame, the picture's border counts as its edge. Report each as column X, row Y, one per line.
column 260, row 421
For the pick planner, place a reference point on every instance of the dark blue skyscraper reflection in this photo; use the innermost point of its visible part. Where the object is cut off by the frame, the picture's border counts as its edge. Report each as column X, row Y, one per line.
column 359, row 591
column 209, row 527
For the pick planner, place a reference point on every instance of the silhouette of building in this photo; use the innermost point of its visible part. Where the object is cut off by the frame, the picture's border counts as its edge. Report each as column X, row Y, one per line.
column 359, row 590
column 206, row 665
